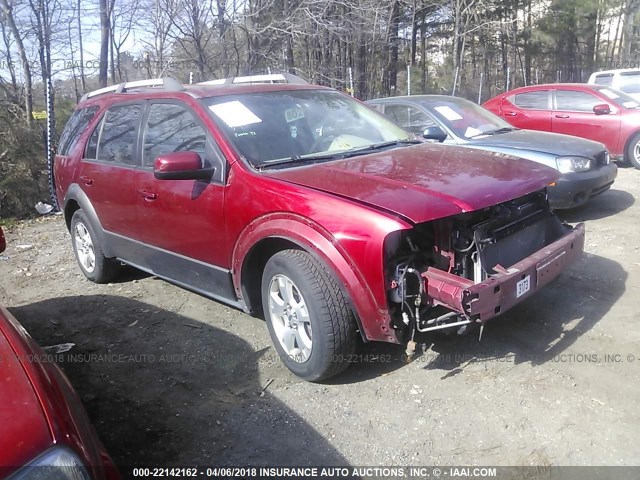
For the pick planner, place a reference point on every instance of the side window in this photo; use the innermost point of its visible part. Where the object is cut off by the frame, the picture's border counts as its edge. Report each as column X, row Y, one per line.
column 410, row 118
column 576, row 101
column 92, row 146
column 76, row 125
column 532, row 100
column 116, row 135
column 172, row 128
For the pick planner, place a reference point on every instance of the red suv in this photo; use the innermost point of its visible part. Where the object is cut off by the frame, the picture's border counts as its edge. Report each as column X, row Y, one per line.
column 302, row 205
column 596, row 112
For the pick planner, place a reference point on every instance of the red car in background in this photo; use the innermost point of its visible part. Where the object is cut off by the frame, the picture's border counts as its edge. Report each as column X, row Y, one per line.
column 595, row 112
column 44, row 429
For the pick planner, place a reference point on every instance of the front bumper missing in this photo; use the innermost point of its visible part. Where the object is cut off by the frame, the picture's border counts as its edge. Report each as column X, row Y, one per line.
column 483, row 301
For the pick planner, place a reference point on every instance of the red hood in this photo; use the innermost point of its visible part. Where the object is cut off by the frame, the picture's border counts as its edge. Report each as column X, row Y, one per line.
column 426, row 181
column 25, row 432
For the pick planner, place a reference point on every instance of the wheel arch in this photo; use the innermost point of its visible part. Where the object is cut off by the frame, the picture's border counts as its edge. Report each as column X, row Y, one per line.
column 276, row 232
column 75, row 200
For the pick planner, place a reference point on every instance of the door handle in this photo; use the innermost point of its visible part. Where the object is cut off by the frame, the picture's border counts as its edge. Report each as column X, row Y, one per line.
column 509, row 114
column 562, row 116
column 147, row 195
column 87, row 180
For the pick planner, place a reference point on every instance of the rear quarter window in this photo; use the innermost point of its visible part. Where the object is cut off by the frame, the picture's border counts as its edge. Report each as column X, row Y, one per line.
column 76, row 125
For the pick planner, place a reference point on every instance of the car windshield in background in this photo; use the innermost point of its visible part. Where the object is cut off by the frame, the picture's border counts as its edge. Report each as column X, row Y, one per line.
column 289, row 127
column 619, row 98
column 466, row 119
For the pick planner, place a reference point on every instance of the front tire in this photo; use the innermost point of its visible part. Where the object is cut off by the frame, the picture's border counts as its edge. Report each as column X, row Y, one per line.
column 309, row 319
column 94, row 265
column 633, row 151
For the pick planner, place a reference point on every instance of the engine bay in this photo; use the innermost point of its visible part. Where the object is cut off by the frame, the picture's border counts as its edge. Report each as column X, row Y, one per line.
column 456, row 253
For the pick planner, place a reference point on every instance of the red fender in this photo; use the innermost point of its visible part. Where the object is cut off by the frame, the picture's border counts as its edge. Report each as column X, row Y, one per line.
column 372, row 318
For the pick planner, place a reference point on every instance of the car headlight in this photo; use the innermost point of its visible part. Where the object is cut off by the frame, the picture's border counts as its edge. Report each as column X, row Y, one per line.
column 573, row 164
column 57, row 463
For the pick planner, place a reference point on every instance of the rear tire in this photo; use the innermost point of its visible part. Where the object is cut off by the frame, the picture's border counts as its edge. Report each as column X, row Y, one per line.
column 309, row 319
column 633, row 152
column 94, row 265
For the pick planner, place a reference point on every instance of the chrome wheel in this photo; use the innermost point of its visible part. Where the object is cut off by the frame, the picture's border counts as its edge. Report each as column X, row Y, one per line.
column 84, row 247
column 636, row 152
column 289, row 316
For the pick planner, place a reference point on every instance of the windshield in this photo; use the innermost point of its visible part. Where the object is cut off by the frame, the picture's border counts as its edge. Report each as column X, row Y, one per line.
column 466, row 119
column 295, row 125
column 619, row 98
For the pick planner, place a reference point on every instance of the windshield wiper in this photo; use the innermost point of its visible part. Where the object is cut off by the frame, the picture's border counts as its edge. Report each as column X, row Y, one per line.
column 497, row 130
column 313, row 157
column 379, row 146
column 299, row 159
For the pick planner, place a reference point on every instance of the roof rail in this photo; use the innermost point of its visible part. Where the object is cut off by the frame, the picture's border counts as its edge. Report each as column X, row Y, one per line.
column 167, row 83
column 269, row 78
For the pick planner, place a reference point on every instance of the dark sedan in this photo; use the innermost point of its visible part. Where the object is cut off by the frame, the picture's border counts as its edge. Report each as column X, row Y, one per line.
column 585, row 165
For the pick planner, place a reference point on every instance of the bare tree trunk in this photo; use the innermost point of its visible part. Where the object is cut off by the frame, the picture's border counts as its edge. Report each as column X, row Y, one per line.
column 630, row 11
column 7, row 45
column 222, row 35
column 390, row 75
column 28, row 101
column 80, row 47
column 105, row 39
column 423, row 53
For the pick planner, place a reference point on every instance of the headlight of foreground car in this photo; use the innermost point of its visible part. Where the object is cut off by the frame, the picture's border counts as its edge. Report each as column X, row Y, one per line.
column 57, row 463
column 573, row 164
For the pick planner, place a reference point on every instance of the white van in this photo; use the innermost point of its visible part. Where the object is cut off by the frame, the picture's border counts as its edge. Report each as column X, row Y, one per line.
column 627, row 80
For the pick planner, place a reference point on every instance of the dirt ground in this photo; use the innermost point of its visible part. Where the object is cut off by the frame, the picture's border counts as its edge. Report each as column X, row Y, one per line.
column 169, row 377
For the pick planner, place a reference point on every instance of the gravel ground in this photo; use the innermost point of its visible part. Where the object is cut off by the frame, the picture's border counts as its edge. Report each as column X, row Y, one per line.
column 169, row 377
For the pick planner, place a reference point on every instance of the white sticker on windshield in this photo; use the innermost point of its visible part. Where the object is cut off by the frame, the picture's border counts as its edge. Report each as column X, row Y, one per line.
column 293, row 114
column 472, row 132
column 631, row 104
column 609, row 93
column 448, row 113
column 234, row 114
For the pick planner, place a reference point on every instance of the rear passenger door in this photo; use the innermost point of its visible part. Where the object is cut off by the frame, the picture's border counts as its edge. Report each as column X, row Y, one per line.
column 181, row 222
column 531, row 110
column 108, row 165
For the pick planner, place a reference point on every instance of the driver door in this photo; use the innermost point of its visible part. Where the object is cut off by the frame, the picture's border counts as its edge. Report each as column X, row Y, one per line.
column 573, row 115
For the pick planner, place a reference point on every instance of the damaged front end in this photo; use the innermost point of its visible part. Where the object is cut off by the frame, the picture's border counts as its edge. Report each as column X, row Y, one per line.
column 466, row 269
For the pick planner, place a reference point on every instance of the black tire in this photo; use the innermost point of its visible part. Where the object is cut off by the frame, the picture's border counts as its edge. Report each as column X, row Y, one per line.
column 331, row 319
column 632, row 155
column 104, row 269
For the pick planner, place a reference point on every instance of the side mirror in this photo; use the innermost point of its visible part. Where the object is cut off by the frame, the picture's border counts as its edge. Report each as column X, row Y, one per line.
column 602, row 109
column 181, row 166
column 434, row 133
